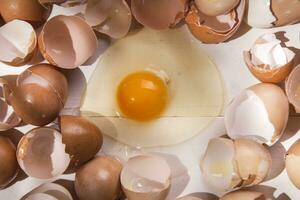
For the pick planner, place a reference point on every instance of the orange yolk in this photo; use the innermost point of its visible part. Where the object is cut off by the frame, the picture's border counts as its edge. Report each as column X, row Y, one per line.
column 142, row 96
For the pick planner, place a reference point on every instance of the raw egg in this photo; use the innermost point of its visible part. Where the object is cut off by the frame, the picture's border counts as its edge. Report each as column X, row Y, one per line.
column 162, row 90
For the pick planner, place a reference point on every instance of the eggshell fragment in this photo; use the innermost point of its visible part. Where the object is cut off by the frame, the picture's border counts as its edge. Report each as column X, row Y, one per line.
column 146, row 177
column 41, row 153
column 189, row 198
column 111, row 17
column 214, row 29
column 8, row 165
column 82, row 138
column 40, row 93
column 259, row 113
column 229, row 164
column 215, row 8
column 70, row 47
column 244, row 195
column 268, row 60
column 40, row 196
column 286, row 11
column 18, row 41
column 292, row 88
column 99, row 179
column 292, row 162
column 159, row 14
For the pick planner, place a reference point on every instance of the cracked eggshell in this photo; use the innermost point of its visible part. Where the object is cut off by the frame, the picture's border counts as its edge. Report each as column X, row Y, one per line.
column 99, row 179
column 40, row 94
column 8, row 165
column 39, row 196
column 146, row 177
column 189, row 198
column 111, row 17
column 226, row 164
column 214, row 29
column 259, row 113
column 18, row 41
column 159, row 14
column 286, row 11
column 292, row 162
column 292, row 88
column 41, row 153
column 215, row 8
column 83, row 139
column 244, row 195
column 268, row 60
column 70, row 47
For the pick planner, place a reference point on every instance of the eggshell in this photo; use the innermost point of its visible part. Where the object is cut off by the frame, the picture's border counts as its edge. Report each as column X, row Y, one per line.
column 18, row 40
column 40, row 93
column 292, row 88
column 8, row 165
column 29, row 10
column 70, row 47
column 259, row 112
column 215, row 8
column 159, row 14
column 244, row 195
column 214, row 29
column 82, row 138
column 39, row 196
column 41, row 153
column 146, row 177
column 286, row 11
column 292, row 162
column 111, row 17
column 99, row 179
column 189, row 198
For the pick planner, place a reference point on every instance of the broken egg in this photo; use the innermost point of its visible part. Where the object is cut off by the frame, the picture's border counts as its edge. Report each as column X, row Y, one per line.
column 40, row 93
column 111, row 17
column 8, row 165
column 159, row 14
column 99, row 179
column 216, row 7
column 259, row 112
column 244, row 195
column 41, row 153
column 228, row 164
column 214, row 29
column 70, row 47
column 18, row 41
column 292, row 161
column 292, row 88
column 146, row 177
column 52, row 189
column 268, row 60
column 82, row 138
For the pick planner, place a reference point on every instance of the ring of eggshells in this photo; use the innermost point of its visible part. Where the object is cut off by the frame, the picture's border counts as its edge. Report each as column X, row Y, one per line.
column 255, row 119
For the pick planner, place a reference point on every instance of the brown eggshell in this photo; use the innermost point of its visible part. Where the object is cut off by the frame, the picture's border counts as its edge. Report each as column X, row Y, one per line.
column 286, row 11
column 265, row 74
column 8, row 165
column 40, row 93
column 292, row 88
column 82, row 138
column 292, row 161
column 215, row 8
column 189, row 198
column 244, row 195
column 159, row 14
column 29, row 10
column 99, row 179
column 70, row 47
column 208, row 33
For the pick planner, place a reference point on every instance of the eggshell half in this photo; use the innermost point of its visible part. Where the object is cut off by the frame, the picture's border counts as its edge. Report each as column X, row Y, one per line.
column 292, row 162
column 215, row 8
column 70, row 47
column 40, row 196
column 189, row 198
column 292, row 88
column 41, row 153
column 146, row 177
column 244, row 195
column 286, row 11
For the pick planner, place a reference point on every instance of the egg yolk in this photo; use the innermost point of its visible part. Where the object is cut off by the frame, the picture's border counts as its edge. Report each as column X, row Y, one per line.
column 142, row 96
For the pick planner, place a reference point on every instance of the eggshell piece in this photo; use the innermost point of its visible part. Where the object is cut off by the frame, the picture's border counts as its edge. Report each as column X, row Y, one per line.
column 41, row 153
column 292, row 88
column 40, row 196
column 8, row 165
column 214, row 29
column 215, row 8
column 82, row 138
column 111, row 17
column 70, row 47
column 18, row 40
column 244, row 195
column 286, row 11
column 146, row 177
column 292, row 162
column 189, row 198
column 159, row 14
column 99, row 179
column 259, row 112
column 40, row 93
